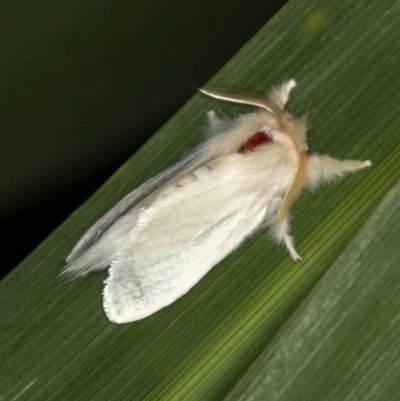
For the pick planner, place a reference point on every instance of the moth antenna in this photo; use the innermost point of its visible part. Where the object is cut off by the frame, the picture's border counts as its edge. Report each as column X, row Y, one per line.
column 241, row 97
column 295, row 187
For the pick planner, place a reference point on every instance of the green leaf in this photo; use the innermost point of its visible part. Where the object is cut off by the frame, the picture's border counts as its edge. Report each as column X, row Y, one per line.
column 343, row 342
column 325, row 328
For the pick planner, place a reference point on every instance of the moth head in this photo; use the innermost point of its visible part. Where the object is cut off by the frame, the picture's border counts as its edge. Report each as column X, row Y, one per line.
column 292, row 131
column 285, row 129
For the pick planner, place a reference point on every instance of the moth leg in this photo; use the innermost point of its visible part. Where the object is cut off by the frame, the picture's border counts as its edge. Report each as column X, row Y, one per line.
column 280, row 94
column 213, row 121
column 323, row 168
column 282, row 234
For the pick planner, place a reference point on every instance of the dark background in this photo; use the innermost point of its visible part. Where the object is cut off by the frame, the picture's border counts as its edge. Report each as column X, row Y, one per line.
column 84, row 84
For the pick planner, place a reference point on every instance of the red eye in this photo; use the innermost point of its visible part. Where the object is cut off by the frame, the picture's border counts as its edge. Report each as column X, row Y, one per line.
column 259, row 138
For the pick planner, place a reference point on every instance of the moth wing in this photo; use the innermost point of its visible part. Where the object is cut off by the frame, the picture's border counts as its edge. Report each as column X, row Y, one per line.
column 128, row 202
column 180, row 238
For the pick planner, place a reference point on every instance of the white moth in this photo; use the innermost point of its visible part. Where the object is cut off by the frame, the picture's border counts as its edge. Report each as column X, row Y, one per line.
column 163, row 237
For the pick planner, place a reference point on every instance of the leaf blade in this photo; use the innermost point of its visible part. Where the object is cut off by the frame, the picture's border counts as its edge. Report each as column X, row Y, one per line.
column 55, row 339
